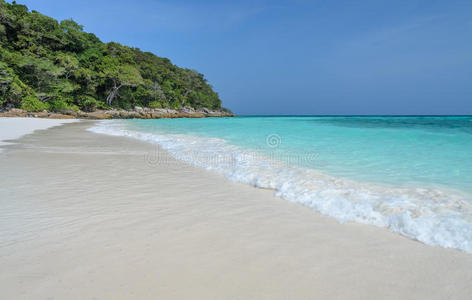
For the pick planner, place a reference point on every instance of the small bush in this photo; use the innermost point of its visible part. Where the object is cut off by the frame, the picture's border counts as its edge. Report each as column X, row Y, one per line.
column 175, row 105
column 87, row 103
column 102, row 105
column 155, row 104
column 124, row 105
column 73, row 107
column 58, row 105
column 31, row 103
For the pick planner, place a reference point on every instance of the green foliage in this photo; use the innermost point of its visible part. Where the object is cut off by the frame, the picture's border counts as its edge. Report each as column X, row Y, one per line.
column 67, row 67
column 175, row 105
column 73, row 107
column 31, row 103
column 59, row 104
column 155, row 104
column 12, row 90
column 87, row 103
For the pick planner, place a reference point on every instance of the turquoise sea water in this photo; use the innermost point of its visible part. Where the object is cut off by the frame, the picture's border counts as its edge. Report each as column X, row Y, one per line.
column 412, row 175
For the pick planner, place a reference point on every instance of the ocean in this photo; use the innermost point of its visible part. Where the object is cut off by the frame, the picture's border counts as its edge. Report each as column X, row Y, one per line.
column 411, row 174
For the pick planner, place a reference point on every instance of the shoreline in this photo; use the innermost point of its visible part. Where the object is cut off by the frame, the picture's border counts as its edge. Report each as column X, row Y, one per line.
column 85, row 215
column 137, row 113
column 432, row 215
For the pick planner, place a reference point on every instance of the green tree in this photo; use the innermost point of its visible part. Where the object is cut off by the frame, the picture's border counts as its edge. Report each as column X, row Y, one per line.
column 39, row 72
column 119, row 76
column 68, row 63
column 60, row 64
column 31, row 103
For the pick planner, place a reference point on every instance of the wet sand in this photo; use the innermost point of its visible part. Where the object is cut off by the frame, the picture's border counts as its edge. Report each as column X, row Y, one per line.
column 89, row 216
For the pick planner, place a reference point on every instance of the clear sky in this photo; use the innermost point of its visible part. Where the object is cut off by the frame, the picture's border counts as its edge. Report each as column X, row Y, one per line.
column 302, row 57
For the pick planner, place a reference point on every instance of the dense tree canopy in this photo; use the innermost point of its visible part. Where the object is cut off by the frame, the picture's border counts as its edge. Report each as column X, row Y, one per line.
column 46, row 64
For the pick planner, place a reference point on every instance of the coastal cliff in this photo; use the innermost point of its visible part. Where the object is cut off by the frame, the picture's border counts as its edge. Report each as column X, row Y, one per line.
column 55, row 66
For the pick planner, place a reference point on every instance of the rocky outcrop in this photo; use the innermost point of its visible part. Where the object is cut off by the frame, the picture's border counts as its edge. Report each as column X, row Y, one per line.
column 137, row 113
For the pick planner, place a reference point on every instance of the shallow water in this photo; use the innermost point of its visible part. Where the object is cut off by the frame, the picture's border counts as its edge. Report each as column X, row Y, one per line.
column 412, row 175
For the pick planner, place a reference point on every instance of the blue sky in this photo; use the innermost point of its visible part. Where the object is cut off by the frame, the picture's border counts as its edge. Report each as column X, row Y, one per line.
column 302, row 57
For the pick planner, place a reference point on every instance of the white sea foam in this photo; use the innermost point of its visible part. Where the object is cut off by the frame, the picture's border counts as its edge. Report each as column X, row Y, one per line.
column 432, row 216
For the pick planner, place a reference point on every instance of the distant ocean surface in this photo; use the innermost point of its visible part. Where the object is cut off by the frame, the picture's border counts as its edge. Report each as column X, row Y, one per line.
column 412, row 175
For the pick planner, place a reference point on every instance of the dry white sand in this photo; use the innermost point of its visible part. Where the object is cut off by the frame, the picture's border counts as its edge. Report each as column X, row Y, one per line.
column 87, row 216
column 13, row 128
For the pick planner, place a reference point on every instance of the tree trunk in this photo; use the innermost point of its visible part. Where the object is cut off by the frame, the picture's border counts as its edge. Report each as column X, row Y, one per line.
column 112, row 94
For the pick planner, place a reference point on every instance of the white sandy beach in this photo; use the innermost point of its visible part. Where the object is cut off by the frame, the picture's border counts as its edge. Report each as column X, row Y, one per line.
column 89, row 216
column 13, row 128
